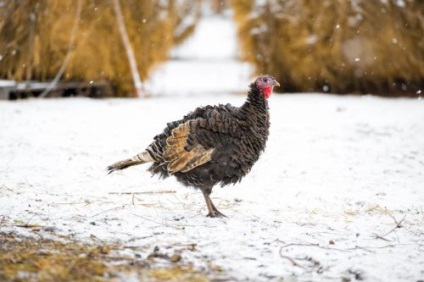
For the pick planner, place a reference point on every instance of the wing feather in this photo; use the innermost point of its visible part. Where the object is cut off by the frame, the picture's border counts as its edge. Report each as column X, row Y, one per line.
column 181, row 155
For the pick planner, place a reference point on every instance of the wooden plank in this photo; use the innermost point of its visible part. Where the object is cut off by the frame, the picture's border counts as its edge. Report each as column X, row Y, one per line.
column 5, row 87
column 94, row 89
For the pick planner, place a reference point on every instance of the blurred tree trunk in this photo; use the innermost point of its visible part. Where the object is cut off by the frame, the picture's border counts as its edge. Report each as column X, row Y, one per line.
column 128, row 49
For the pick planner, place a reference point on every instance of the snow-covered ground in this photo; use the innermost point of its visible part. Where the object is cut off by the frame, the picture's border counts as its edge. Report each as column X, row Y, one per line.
column 338, row 172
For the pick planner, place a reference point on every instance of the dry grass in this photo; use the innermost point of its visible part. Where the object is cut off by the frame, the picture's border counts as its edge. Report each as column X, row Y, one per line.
column 34, row 38
column 29, row 259
column 337, row 46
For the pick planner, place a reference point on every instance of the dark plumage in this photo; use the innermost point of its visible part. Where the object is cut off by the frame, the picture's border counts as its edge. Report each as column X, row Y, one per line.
column 211, row 145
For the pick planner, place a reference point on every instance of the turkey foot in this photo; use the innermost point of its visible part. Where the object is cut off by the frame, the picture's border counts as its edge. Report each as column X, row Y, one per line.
column 213, row 211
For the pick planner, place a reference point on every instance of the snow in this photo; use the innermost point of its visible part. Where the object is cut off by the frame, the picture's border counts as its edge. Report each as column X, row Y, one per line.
column 7, row 83
column 400, row 3
column 339, row 174
column 338, row 169
column 312, row 39
column 205, row 64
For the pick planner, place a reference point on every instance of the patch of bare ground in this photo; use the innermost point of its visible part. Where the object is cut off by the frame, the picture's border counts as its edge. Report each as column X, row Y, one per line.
column 40, row 259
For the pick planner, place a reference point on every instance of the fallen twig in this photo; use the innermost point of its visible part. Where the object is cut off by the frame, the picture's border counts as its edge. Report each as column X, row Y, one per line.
column 318, row 246
column 316, row 263
column 292, row 260
column 145, row 192
column 6, row 188
column 398, row 225
column 112, row 209
column 29, row 225
column 74, row 203
column 156, row 222
column 179, row 226
column 95, row 238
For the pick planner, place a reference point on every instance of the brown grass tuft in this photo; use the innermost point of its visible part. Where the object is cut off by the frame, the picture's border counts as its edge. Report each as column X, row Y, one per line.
column 34, row 39
column 338, row 46
column 30, row 259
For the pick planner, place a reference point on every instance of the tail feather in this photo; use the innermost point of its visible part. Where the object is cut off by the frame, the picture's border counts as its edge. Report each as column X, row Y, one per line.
column 141, row 158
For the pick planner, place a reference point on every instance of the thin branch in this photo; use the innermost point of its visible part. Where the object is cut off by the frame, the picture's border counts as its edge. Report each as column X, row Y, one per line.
column 145, row 192
column 108, row 210
column 30, row 226
column 324, row 248
column 156, row 222
column 293, row 261
column 95, row 238
column 398, row 225
column 174, row 226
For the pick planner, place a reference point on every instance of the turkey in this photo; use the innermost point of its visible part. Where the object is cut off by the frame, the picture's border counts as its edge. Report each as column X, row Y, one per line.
column 211, row 145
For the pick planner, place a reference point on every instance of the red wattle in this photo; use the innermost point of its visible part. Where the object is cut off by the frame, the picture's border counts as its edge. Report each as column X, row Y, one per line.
column 267, row 91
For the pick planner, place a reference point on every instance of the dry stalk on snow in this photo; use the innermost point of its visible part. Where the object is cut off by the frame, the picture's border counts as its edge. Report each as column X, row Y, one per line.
column 111, row 209
column 143, row 192
column 398, row 225
column 316, row 263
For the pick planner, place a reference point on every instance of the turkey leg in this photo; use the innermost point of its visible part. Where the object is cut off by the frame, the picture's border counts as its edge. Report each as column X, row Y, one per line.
column 213, row 211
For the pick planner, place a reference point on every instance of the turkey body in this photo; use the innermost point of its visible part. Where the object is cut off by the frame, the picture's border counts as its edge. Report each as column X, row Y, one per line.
column 211, row 145
column 233, row 136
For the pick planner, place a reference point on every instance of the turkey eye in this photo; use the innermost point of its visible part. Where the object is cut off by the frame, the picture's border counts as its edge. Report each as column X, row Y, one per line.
column 266, row 79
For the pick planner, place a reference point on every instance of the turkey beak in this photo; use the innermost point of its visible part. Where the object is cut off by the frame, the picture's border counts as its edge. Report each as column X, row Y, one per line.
column 276, row 83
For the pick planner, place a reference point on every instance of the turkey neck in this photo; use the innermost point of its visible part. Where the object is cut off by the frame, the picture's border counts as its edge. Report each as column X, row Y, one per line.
column 256, row 106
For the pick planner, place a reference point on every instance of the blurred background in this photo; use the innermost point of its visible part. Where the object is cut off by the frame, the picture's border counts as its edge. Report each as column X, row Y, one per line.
column 105, row 48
